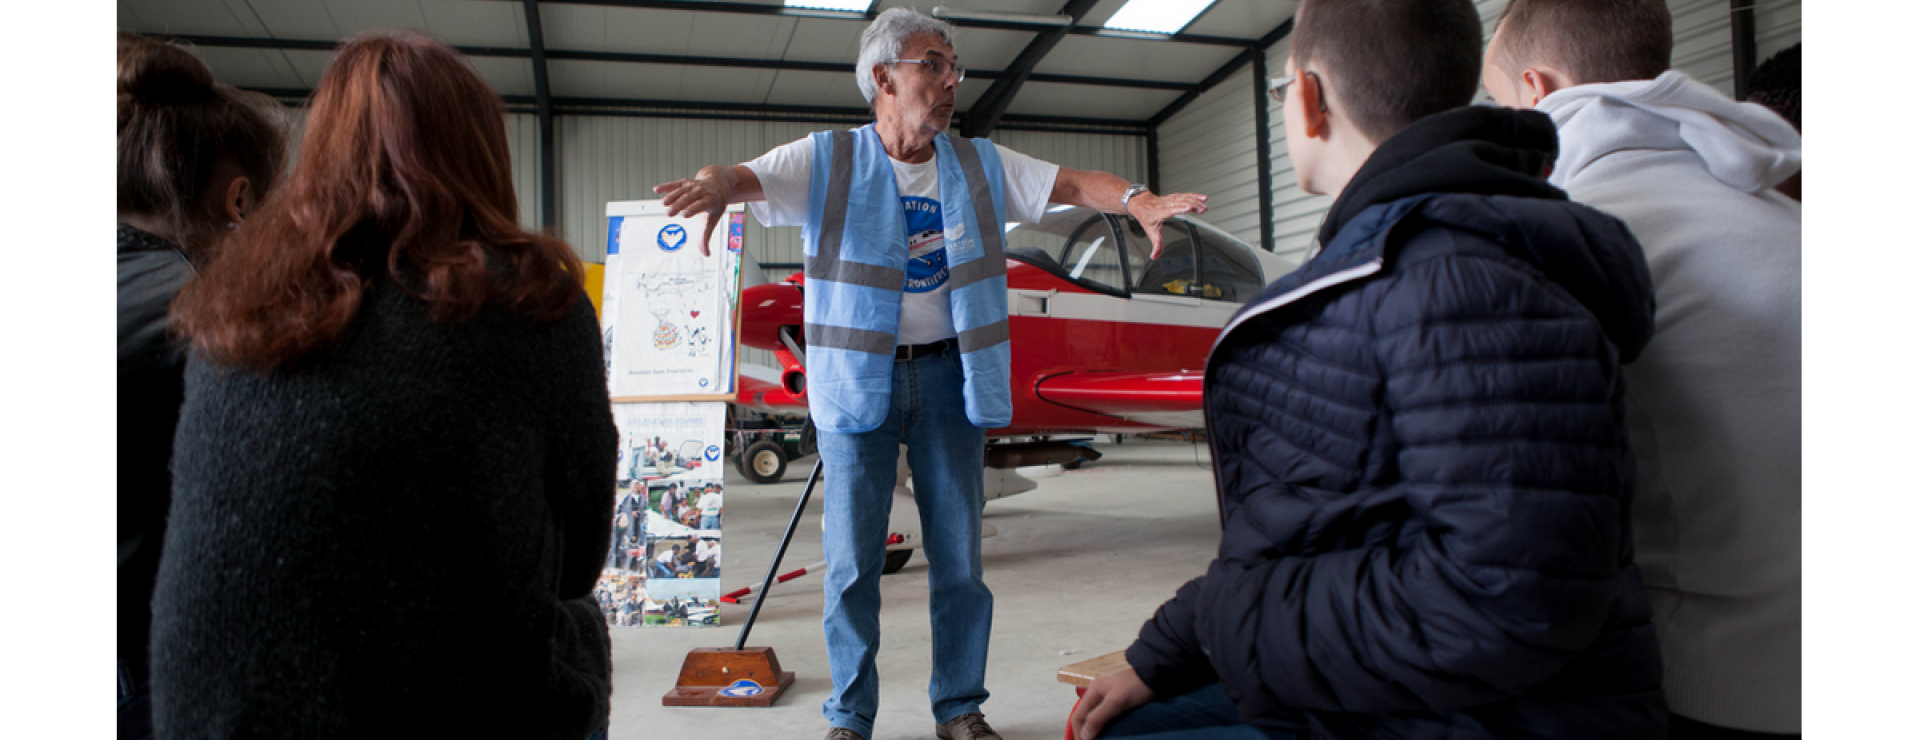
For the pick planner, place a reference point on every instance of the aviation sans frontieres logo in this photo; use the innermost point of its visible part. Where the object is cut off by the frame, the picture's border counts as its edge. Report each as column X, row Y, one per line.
column 672, row 238
column 926, row 245
column 742, row 689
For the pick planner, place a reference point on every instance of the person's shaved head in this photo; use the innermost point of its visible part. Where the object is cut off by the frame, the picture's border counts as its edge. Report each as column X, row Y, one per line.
column 1394, row 61
column 1590, row 41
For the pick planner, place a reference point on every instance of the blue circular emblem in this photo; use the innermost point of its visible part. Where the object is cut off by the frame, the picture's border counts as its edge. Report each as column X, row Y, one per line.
column 742, row 689
column 713, row 452
column 672, row 238
column 703, row 382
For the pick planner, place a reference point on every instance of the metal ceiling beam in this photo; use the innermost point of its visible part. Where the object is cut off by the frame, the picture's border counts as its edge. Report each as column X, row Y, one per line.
column 1262, row 150
column 695, row 61
column 1227, row 70
column 703, row 6
column 543, row 105
column 988, row 108
column 697, row 6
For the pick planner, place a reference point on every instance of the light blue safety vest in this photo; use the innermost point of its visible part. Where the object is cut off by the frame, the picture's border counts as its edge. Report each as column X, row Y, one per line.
column 856, row 258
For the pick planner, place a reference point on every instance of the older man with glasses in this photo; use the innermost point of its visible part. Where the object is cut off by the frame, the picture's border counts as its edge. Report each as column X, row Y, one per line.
column 906, row 334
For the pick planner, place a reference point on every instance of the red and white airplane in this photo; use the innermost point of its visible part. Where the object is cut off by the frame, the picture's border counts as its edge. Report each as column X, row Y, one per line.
column 1105, row 340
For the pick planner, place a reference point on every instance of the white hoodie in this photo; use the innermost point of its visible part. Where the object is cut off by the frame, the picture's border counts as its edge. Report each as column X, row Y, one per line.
column 1713, row 404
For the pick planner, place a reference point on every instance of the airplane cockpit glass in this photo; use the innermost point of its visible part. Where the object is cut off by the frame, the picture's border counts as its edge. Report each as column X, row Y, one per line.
column 1172, row 274
column 1080, row 244
column 1093, row 255
column 1074, row 243
column 1228, row 267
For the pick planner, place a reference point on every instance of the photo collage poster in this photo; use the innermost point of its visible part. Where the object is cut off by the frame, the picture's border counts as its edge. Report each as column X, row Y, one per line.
column 668, row 317
column 663, row 569
column 668, row 312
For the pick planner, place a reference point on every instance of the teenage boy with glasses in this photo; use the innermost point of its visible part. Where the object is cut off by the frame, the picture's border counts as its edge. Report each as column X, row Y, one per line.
column 1418, row 437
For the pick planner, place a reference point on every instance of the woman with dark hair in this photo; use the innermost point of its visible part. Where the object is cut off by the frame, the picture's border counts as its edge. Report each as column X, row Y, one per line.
column 194, row 157
column 384, row 340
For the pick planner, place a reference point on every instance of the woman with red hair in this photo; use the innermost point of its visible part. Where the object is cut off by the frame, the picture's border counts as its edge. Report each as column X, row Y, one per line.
column 394, row 472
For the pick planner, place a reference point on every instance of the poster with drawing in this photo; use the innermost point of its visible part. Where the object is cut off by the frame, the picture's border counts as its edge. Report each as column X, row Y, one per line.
column 668, row 312
column 663, row 565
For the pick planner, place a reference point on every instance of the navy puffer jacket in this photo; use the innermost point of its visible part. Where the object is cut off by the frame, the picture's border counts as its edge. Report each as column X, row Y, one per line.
column 1422, row 465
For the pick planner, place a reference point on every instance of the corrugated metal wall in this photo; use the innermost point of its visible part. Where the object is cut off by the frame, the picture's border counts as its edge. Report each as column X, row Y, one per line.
column 1209, row 147
column 1703, row 36
column 523, row 144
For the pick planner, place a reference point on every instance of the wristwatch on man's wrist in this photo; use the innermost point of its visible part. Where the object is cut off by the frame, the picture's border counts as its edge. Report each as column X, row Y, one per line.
column 1132, row 190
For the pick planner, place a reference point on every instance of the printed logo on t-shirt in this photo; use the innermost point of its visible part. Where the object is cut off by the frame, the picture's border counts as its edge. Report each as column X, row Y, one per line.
column 926, row 245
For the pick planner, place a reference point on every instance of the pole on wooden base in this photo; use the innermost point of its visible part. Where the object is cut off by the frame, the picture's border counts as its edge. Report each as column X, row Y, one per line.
column 741, row 676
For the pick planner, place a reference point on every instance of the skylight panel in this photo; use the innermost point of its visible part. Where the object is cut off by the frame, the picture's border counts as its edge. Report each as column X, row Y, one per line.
column 1156, row 16
column 851, row 6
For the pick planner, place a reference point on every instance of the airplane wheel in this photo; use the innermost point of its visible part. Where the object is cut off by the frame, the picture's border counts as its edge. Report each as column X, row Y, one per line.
column 896, row 559
column 763, row 462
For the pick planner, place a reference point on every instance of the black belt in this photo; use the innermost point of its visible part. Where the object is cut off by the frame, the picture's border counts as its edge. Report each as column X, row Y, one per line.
column 905, row 352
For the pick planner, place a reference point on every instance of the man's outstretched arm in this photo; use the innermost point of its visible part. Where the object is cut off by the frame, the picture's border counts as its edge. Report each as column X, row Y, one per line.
column 710, row 191
column 1104, row 191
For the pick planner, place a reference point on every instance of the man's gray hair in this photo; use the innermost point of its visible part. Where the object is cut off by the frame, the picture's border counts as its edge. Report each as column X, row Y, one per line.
column 884, row 37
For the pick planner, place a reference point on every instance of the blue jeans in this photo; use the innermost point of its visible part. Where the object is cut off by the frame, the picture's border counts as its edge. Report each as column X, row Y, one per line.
column 946, row 453
column 709, row 521
column 1202, row 714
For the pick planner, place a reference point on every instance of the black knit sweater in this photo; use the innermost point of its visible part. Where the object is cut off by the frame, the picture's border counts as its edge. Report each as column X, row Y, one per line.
column 395, row 536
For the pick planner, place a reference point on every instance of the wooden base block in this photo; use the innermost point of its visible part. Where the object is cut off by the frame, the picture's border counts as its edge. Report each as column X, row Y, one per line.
column 723, row 677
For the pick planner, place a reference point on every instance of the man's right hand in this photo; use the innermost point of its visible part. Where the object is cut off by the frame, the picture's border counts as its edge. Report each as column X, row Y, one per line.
column 707, row 192
column 1110, row 696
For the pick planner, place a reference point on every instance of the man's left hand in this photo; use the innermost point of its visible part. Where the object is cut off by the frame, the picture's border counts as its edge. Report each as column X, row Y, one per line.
column 1154, row 210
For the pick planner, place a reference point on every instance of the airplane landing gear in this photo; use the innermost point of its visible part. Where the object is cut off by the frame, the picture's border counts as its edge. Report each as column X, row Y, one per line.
column 763, row 462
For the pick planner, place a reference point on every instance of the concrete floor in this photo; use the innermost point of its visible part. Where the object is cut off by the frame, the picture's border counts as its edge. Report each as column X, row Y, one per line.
column 1077, row 565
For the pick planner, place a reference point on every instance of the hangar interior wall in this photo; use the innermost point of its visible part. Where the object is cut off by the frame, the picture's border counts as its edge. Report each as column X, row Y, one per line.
column 1206, row 147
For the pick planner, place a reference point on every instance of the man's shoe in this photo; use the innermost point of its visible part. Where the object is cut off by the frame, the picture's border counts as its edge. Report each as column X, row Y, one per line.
column 967, row 727
column 842, row 733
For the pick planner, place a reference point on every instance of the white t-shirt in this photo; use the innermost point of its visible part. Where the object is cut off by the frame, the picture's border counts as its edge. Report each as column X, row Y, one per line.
column 925, row 313
column 709, row 503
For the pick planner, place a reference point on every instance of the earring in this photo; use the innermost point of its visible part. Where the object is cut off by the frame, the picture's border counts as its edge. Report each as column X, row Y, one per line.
column 231, row 226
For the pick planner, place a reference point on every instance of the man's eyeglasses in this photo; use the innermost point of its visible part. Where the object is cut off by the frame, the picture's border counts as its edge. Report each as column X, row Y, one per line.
column 1277, row 87
column 939, row 67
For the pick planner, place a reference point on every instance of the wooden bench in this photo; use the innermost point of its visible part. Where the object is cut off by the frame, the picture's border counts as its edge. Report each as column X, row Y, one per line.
column 1082, row 674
